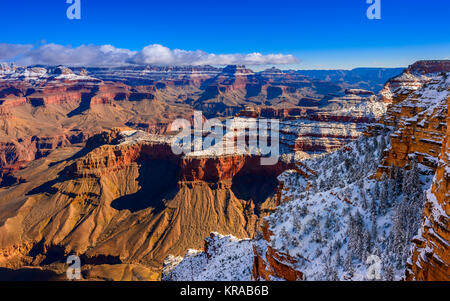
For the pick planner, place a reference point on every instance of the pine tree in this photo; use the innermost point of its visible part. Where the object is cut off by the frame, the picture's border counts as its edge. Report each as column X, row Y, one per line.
column 399, row 236
column 338, row 259
column 384, row 194
column 376, row 191
column 364, row 203
column 329, row 222
column 414, row 177
column 303, row 210
column 348, row 265
column 297, row 225
column 375, row 143
column 397, row 176
column 317, row 235
column 284, row 234
column 389, row 274
column 374, row 230
column 350, row 233
column 367, row 241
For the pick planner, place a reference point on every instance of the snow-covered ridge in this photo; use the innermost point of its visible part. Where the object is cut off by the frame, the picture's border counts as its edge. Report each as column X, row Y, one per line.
column 132, row 137
column 37, row 75
column 409, row 82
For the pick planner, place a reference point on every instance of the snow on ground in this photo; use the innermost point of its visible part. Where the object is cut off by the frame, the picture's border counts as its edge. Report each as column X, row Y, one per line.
column 36, row 75
column 346, row 216
column 434, row 92
column 231, row 259
column 137, row 136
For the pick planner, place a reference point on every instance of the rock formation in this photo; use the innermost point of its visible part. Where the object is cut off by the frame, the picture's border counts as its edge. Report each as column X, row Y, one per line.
column 269, row 264
column 430, row 260
column 418, row 117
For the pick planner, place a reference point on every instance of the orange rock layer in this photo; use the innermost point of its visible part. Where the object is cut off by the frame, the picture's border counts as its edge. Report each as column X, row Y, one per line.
column 418, row 131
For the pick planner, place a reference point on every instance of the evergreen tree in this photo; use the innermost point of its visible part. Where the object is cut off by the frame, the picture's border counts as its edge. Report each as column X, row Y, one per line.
column 317, row 235
column 384, row 194
column 388, row 270
column 399, row 237
column 297, row 225
column 374, row 230
column 338, row 259
column 364, row 203
column 397, row 176
column 376, row 191
column 367, row 241
column 348, row 265
column 382, row 147
column 303, row 210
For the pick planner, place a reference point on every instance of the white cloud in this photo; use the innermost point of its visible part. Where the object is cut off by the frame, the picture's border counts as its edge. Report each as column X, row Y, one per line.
column 107, row 55
column 158, row 54
column 10, row 51
column 85, row 55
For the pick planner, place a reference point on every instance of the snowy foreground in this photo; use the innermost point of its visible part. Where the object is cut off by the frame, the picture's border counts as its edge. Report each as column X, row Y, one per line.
column 334, row 228
column 347, row 216
column 231, row 260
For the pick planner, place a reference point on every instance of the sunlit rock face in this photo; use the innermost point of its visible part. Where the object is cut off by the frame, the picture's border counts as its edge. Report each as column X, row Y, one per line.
column 418, row 116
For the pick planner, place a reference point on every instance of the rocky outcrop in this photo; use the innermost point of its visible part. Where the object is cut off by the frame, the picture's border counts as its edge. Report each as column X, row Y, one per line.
column 47, row 108
column 270, row 264
column 159, row 75
column 325, row 127
column 430, row 66
column 418, row 118
column 28, row 149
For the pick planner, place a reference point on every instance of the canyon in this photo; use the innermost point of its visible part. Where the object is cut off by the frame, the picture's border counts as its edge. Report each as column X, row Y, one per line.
column 44, row 108
column 87, row 167
column 308, row 237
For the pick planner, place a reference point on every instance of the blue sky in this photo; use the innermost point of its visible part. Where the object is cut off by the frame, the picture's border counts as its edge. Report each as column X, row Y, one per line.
column 321, row 33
